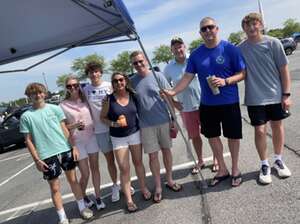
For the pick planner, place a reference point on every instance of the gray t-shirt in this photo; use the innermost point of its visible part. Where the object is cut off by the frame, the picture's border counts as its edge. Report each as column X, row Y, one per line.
column 190, row 97
column 152, row 110
column 263, row 62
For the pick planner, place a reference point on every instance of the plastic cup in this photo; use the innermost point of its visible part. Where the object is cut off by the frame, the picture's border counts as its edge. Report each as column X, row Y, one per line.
column 215, row 90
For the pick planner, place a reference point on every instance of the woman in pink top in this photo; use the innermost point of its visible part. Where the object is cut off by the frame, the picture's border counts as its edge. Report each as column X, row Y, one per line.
column 80, row 124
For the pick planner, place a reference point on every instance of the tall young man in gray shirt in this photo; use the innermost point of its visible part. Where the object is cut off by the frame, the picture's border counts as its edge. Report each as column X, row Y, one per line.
column 267, row 92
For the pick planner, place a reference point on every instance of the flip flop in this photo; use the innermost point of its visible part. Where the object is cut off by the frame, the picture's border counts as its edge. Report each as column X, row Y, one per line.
column 147, row 195
column 157, row 197
column 175, row 187
column 131, row 207
column 196, row 169
column 215, row 168
column 236, row 180
column 216, row 180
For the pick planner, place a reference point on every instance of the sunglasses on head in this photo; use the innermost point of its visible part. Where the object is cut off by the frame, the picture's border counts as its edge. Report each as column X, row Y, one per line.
column 118, row 80
column 207, row 28
column 70, row 86
column 138, row 62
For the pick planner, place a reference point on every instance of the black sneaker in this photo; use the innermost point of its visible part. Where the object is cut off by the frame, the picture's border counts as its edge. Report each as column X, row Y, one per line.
column 88, row 202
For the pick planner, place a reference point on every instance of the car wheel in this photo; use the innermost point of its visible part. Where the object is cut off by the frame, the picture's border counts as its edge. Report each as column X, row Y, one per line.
column 288, row 51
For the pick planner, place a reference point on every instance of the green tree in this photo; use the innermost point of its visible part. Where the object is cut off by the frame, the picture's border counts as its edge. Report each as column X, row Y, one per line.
column 60, row 81
column 121, row 63
column 195, row 43
column 162, row 54
column 78, row 64
column 290, row 26
column 236, row 38
column 278, row 33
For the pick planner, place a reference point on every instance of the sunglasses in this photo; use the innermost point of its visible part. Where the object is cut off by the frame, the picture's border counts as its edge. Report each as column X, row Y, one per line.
column 138, row 62
column 115, row 81
column 70, row 86
column 207, row 28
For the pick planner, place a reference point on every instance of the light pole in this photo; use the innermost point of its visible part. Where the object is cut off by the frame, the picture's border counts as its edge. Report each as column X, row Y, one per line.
column 260, row 8
column 45, row 81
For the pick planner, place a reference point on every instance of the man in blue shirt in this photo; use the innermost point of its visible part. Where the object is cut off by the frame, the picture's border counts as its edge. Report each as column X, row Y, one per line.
column 222, row 61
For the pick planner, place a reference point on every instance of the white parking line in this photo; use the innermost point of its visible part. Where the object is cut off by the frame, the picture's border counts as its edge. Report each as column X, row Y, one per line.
column 66, row 196
column 13, row 176
column 14, row 157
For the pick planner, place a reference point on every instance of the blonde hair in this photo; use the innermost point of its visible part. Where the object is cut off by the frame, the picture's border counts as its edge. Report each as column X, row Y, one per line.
column 34, row 88
column 67, row 94
column 251, row 17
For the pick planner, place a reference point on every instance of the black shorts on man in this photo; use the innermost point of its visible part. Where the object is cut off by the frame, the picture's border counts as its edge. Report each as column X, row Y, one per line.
column 261, row 114
column 226, row 117
column 55, row 163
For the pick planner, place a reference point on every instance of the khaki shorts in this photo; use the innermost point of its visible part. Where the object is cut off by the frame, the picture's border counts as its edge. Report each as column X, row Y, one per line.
column 156, row 138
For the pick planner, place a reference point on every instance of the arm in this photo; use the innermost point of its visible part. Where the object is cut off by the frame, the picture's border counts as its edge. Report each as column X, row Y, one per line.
column 104, row 113
column 286, row 86
column 181, row 85
column 68, row 136
column 237, row 77
column 40, row 164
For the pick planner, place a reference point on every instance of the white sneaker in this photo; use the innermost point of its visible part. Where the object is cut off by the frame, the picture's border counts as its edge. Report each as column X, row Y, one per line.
column 132, row 190
column 100, row 204
column 86, row 214
column 65, row 221
column 115, row 193
column 88, row 202
column 265, row 175
column 282, row 170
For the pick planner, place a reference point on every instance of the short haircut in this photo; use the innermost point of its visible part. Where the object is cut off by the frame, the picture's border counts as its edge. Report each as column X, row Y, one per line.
column 135, row 53
column 93, row 66
column 207, row 18
column 252, row 17
column 34, row 88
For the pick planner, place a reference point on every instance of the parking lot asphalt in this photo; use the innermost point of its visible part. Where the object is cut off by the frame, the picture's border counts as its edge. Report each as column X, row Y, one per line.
column 25, row 196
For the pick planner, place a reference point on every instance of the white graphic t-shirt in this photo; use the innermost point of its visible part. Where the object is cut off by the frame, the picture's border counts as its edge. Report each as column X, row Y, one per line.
column 95, row 96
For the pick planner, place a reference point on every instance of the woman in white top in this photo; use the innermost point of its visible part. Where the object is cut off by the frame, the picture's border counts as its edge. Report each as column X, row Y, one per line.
column 80, row 124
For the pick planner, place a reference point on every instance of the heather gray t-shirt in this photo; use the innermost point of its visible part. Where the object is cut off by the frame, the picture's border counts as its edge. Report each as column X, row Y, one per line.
column 152, row 109
column 263, row 61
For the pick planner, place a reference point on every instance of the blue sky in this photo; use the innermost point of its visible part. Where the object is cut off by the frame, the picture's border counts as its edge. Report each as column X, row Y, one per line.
column 156, row 22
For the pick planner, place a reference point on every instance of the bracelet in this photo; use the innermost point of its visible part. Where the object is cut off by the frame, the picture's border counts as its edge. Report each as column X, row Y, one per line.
column 226, row 82
column 286, row 94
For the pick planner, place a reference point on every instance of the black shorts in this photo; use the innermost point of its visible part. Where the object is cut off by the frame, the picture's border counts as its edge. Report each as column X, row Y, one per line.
column 229, row 116
column 64, row 160
column 261, row 114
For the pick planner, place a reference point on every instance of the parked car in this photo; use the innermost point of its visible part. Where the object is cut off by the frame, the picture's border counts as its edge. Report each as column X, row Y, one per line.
column 289, row 45
column 296, row 37
column 9, row 129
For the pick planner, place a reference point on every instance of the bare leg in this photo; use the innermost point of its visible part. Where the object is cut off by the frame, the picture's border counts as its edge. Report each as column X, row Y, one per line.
column 111, row 166
column 197, row 143
column 94, row 166
column 234, row 147
column 155, row 169
column 75, row 186
column 122, row 156
column 168, row 161
column 217, row 148
column 277, row 136
column 85, row 173
column 261, row 141
column 55, row 193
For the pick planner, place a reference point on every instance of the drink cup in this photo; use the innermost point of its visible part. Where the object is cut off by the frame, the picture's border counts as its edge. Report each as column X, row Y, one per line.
column 80, row 126
column 122, row 121
column 215, row 90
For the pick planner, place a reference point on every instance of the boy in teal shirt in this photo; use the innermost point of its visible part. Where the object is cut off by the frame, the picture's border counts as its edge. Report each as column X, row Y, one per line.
column 46, row 138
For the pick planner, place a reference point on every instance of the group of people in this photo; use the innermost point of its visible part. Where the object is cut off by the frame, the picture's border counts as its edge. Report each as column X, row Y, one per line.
column 127, row 115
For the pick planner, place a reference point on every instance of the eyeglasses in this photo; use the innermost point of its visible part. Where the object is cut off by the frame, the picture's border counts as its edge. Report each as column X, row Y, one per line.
column 70, row 86
column 138, row 62
column 207, row 28
column 115, row 81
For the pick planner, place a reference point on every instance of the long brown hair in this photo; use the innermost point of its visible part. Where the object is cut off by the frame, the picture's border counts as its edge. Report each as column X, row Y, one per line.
column 128, row 86
column 68, row 95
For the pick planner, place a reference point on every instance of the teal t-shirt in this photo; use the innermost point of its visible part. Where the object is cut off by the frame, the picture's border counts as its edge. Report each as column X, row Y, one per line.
column 44, row 126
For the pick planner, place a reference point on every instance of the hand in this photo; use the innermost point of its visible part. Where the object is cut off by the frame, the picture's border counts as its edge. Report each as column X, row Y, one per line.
column 218, row 82
column 167, row 92
column 41, row 165
column 75, row 153
column 177, row 105
column 286, row 103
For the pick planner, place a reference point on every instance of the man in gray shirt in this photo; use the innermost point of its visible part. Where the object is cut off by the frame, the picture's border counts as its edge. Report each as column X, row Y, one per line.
column 267, row 92
column 154, row 121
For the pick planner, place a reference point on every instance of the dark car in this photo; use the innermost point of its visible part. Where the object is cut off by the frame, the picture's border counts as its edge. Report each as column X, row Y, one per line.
column 9, row 129
column 296, row 37
column 289, row 45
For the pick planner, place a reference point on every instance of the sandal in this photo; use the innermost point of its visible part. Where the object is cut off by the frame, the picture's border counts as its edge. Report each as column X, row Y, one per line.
column 196, row 169
column 175, row 187
column 131, row 207
column 236, row 180
column 216, row 180
column 147, row 195
column 157, row 197
column 215, row 168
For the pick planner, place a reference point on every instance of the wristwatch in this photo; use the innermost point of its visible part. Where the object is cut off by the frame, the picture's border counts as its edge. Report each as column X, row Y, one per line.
column 286, row 94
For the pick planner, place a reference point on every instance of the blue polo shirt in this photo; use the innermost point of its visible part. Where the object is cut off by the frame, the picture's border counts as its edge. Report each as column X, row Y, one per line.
column 222, row 61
